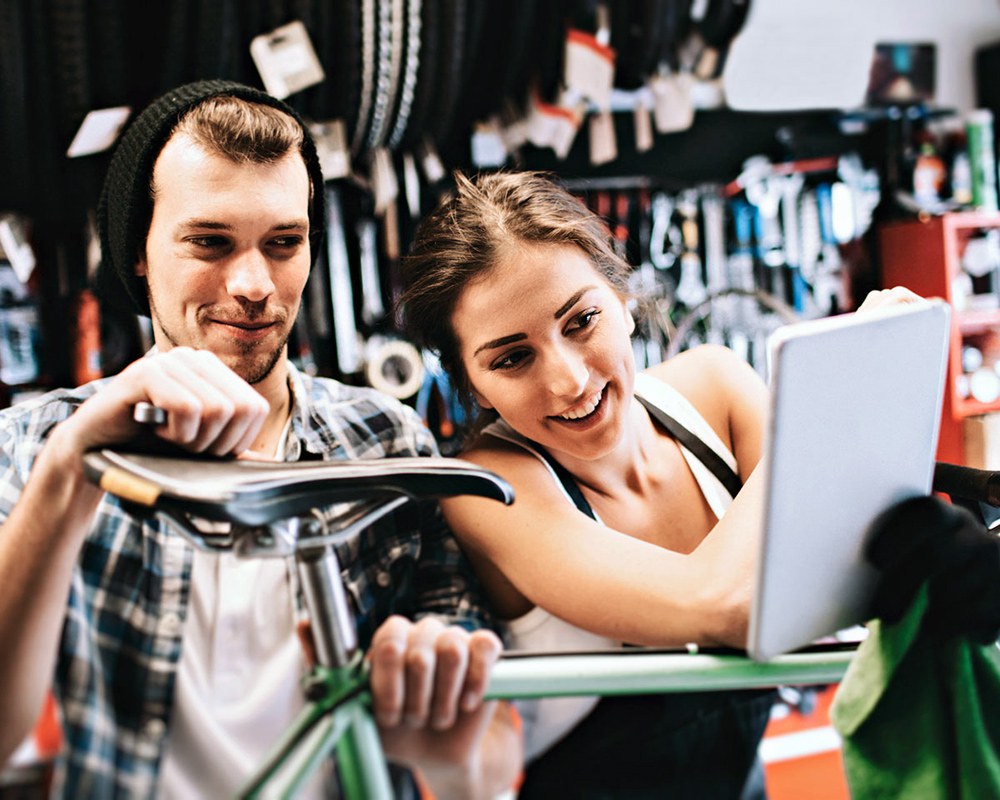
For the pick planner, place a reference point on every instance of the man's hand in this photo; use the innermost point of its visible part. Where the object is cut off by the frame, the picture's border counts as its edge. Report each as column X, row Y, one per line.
column 427, row 683
column 925, row 539
column 209, row 407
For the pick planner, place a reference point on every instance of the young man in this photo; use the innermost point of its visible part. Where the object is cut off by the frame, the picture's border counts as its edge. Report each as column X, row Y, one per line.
column 174, row 670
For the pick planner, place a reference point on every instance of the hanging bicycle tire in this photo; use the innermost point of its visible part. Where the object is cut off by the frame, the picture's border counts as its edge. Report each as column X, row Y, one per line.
column 741, row 319
column 15, row 131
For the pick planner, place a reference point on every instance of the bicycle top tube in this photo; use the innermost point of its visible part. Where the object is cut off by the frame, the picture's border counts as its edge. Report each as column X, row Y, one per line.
column 276, row 496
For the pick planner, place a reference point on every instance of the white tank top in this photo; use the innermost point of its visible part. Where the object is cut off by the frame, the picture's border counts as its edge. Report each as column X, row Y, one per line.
column 547, row 720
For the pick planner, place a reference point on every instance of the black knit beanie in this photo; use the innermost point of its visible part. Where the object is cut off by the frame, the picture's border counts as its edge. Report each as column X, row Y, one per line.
column 125, row 209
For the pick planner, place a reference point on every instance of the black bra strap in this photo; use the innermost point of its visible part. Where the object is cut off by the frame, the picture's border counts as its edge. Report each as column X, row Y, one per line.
column 568, row 481
column 705, row 454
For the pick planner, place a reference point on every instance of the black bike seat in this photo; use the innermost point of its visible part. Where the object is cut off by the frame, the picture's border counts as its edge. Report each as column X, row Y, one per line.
column 261, row 492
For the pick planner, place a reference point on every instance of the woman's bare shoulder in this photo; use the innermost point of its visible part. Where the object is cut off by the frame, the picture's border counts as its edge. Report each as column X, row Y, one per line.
column 717, row 382
column 705, row 363
column 504, row 457
column 707, row 373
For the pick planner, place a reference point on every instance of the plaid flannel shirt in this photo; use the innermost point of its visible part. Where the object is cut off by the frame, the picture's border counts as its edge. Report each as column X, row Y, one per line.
column 121, row 639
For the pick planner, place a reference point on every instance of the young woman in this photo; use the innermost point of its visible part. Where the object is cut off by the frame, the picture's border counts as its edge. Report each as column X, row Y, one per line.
column 630, row 524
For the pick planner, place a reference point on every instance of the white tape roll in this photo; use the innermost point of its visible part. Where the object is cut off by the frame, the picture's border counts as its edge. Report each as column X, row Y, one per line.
column 395, row 368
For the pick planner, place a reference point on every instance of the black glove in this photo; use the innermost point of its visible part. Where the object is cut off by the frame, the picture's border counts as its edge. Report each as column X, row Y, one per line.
column 926, row 539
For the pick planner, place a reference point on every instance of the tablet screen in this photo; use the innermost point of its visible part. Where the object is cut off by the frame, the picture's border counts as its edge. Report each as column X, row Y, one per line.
column 854, row 418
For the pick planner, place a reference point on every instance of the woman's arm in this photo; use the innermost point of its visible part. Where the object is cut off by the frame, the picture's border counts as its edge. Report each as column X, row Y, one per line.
column 606, row 581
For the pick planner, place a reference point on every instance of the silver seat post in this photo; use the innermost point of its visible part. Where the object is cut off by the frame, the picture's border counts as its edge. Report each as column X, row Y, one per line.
column 333, row 632
column 360, row 763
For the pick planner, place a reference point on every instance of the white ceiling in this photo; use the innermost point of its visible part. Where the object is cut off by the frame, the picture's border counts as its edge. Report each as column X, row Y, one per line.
column 800, row 54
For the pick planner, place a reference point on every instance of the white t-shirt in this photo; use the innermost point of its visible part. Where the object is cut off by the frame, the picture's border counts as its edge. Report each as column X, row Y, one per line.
column 238, row 682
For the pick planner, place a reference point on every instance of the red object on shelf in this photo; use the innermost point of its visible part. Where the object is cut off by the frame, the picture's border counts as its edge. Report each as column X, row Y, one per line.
column 87, row 339
column 801, row 755
column 925, row 255
column 48, row 734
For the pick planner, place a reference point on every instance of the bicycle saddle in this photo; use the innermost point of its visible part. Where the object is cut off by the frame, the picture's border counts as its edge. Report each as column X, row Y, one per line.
column 253, row 493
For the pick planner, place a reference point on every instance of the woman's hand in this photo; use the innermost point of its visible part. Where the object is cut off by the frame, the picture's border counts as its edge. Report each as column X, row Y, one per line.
column 898, row 295
column 427, row 683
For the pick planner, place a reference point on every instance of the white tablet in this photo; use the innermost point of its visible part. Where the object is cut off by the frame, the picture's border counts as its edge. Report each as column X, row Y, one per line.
column 855, row 411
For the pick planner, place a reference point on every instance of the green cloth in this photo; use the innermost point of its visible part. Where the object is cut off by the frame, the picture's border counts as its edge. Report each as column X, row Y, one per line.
column 920, row 719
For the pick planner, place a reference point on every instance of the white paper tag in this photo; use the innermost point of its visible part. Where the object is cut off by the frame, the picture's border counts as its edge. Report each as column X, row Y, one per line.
column 540, row 124
column 642, row 124
column 554, row 126
column 372, row 308
column 672, row 108
column 513, row 125
column 590, row 68
column 14, row 242
column 98, row 131
column 488, row 148
column 514, row 133
column 331, row 147
column 603, row 143
column 385, row 185
column 411, row 185
column 602, row 16
column 430, row 162
column 707, row 65
column 286, row 60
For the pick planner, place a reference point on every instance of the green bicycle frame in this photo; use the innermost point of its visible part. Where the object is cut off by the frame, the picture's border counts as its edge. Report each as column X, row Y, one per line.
column 339, row 718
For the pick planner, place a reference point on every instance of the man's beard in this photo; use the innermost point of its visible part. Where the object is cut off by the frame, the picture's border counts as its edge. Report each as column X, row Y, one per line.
column 260, row 368
column 252, row 371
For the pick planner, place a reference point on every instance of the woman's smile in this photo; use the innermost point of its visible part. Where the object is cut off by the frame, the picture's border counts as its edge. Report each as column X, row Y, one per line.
column 586, row 414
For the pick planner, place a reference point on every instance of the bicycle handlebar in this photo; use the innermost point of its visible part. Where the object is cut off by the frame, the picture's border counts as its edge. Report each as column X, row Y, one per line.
column 967, row 483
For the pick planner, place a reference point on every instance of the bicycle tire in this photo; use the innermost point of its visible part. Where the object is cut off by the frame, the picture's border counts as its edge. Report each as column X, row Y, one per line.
column 15, row 129
column 702, row 310
column 46, row 198
column 676, row 25
column 517, row 73
column 549, row 47
column 426, row 86
column 635, row 37
column 722, row 21
column 216, row 41
column 70, row 68
column 174, row 65
column 345, row 64
column 499, row 51
column 451, row 52
column 369, row 56
column 107, row 53
column 413, row 55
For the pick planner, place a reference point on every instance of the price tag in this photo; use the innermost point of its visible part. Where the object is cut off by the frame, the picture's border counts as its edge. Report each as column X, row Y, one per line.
column 554, row 126
column 589, row 68
column 331, row 147
column 411, row 185
column 603, row 143
column 286, row 60
column 430, row 161
column 98, row 131
column 642, row 124
column 488, row 148
column 672, row 107
column 15, row 246
column 385, row 185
